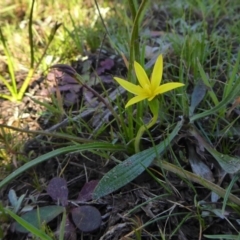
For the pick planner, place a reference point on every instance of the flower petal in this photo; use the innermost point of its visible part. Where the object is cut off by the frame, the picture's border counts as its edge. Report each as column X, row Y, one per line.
column 167, row 87
column 141, row 75
column 156, row 77
column 135, row 100
column 135, row 89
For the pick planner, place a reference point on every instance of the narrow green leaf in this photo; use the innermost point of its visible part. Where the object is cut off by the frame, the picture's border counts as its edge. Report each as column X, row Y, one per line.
column 232, row 95
column 222, row 236
column 10, row 64
column 132, row 167
column 62, row 225
column 229, row 86
column 44, row 157
column 207, row 83
column 228, row 191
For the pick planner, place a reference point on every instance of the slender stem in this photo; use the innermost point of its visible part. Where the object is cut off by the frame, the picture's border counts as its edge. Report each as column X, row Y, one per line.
column 142, row 130
column 134, row 54
column 25, row 84
column 132, row 8
column 50, row 39
column 9, row 87
column 30, row 33
column 101, row 18
column 10, row 65
column 79, row 79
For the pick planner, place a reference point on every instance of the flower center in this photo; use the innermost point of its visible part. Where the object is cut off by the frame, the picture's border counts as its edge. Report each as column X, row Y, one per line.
column 148, row 90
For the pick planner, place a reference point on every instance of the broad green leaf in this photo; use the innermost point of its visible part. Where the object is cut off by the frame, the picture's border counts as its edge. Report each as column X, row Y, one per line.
column 45, row 157
column 39, row 216
column 132, row 167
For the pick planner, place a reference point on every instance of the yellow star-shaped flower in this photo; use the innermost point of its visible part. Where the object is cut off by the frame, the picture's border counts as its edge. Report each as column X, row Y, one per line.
column 148, row 89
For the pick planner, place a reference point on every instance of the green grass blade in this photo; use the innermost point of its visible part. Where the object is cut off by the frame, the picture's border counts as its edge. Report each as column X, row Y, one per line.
column 50, row 39
column 44, row 157
column 230, row 84
column 222, row 236
column 10, row 63
column 62, row 225
column 228, row 191
column 10, row 98
column 42, row 235
column 9, row 87
column 231, row 96
column 30, row 35
column 25, row 84
column 207, row 83
column 132, row 167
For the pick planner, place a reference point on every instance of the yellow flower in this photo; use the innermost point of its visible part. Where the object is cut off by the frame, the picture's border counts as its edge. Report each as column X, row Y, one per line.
column 148, row 89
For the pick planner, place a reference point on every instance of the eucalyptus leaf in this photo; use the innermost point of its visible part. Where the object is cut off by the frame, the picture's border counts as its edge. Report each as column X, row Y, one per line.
column 132, row 167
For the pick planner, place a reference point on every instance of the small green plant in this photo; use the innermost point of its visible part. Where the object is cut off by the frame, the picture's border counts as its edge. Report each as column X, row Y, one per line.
column 16, row 94
column 148, row 89
column 85, row 218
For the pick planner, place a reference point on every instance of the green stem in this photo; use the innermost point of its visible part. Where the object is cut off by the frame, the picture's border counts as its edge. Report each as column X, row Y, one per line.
column 134, row 54
column 25, row 84
column 142, row 130
column 10, row 65
column 30, row 34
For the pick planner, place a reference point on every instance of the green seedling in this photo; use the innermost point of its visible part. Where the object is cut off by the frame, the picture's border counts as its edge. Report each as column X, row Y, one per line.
column 16, row 94
column 86, row 218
